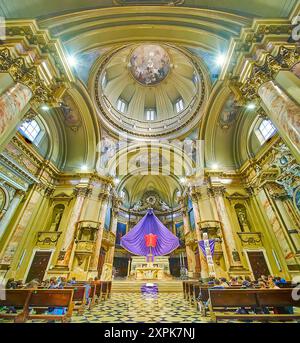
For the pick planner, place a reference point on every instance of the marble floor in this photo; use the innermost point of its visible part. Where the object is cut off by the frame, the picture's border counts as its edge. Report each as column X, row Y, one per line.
column 137, row 308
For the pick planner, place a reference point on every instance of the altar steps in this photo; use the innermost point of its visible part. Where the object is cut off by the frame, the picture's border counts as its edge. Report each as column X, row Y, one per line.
column 135, row 286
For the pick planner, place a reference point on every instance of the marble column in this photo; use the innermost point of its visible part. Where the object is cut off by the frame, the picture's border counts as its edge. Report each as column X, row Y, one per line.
column 12, row 106
column 266, row 203
column 11, row 211
column 64, row 258
column 191, row 258
column 104, row 195
column 203, row 262
column 284, row 113
column 289, row 83
column 24, row 218
column 111, row 252
column 227, row 227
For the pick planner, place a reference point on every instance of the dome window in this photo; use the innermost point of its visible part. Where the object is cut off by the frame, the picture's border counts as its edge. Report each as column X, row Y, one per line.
column 31, row 130
column 150, row 114
column 265, row 130
column 121, row 105
column 179, row 105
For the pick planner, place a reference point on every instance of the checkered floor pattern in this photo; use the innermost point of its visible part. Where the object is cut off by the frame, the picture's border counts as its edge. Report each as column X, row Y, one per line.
column 138, row 308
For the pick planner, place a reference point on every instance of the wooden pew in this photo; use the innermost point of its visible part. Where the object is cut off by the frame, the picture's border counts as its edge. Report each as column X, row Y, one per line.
column 79, row 298
column 17, row 298
column 186, row 290
column 98, row 292
column 43, row 299
column 232, row 299
column 106, row 289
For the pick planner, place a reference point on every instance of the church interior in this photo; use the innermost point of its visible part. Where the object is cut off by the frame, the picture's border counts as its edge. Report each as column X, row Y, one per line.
column 149, row 155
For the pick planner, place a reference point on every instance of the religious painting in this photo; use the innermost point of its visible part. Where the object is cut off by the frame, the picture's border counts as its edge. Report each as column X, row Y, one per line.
column 296, row 69
column 121, row 231
column 2, row 199
column 149, row 64
column 71, row 114
column 228, row 113
column 297, row 198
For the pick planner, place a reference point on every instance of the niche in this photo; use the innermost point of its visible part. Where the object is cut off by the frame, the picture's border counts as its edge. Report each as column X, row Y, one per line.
column 241, row 213
column 57, row 214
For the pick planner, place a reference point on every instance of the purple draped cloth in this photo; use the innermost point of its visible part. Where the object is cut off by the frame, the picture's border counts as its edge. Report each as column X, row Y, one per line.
column 134, row 240
column 211, row 245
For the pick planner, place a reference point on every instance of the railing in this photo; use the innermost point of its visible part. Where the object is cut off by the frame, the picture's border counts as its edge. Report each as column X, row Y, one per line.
column 85, row 247
column 155, row 126
column 47, row 238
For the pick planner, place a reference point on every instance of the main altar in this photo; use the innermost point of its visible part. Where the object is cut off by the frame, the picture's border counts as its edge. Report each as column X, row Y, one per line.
column 150, row 241
column 158, row 269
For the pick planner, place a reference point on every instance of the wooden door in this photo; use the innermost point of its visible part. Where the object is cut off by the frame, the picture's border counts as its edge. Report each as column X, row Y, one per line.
column 39, row 265
column 258, row 263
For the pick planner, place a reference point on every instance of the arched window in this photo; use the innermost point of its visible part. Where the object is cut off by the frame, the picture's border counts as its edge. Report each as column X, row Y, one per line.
column 179, row 105
column 121, row 105
column 31, row 130
column 265, row 130
column 150, row 114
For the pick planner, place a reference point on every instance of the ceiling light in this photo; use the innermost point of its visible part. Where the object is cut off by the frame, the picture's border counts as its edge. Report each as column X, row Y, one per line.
column 45, row 108
column 215, row 166
column 182, row 180
column 72, row 61
column 84, row 167
column 251, row 106
column 220, row 60
column 117, row 181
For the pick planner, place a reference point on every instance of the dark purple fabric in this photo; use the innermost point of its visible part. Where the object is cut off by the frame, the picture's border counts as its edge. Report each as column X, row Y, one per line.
column 211, row 245
column 134, row 240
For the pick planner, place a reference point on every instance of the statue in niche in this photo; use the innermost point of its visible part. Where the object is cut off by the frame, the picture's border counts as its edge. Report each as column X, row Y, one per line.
column 164, row 206
column 137, row 206
column 242, row 217
column 57, row 219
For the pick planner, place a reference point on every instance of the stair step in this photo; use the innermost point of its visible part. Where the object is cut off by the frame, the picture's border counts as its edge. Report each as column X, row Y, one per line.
column 135, row 286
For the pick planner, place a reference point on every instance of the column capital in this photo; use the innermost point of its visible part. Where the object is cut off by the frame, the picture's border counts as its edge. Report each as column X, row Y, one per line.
column 82, row 191
column 216, row 191
column 262, row 73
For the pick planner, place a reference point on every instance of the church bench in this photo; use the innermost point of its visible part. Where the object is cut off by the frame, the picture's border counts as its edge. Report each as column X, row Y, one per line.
column 185, row 285
column 189, row 295
column 106, row 289
column 16, row 298
column 79, row 298
column 202, row 296
column 226, row 300
column 42, row 300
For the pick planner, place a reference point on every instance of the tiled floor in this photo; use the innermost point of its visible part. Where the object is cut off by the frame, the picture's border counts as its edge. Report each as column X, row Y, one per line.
column 136, row 308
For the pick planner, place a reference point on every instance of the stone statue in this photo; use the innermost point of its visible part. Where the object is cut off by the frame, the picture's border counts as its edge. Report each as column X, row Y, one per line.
column 242, row 217
column 137, row 206
column 56, row 222
column 164, row 206
column 106, row 274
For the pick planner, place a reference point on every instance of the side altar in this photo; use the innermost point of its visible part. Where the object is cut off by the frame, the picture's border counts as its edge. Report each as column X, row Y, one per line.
column 158, row 269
